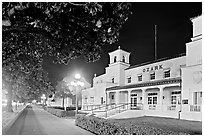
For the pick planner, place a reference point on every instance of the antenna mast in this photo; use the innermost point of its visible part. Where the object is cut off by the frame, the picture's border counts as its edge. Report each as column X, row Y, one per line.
column 155, row 44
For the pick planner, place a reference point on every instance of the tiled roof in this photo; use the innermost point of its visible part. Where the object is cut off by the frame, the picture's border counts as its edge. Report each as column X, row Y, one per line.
column 146, row 84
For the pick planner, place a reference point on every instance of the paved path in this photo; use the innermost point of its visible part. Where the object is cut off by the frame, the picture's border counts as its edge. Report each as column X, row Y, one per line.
column 36, row 121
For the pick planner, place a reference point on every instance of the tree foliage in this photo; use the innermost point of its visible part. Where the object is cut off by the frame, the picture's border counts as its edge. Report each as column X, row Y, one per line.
column 62, row 29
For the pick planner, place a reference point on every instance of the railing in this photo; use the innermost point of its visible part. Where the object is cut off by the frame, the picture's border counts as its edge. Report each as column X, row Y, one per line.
column 116, row 108
column 93, row 107
column 195, row 108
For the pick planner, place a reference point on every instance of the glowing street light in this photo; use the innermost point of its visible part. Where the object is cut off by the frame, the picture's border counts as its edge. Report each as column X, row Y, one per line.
column 77, row 83
column 43, row 97
column 77, row 76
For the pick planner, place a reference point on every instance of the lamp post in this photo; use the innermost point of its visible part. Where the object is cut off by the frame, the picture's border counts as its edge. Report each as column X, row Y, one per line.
column 77, row 84
column 43, row 97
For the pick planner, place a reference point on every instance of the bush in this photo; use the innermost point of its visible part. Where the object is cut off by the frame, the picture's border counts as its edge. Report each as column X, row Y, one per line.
column 67, row 108
column 101, row 126
column 60, row 113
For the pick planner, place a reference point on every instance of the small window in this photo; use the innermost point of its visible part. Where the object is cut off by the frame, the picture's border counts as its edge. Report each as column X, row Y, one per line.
column 101, row 100
column 92, row 99
column 115, row 59
column 154, row 100
column 152, row 76
column 112, row 96
column 123, row 59
column 129, row 79
column 166, row 73
column 139, row 77
column 85, row 100
column 149, row 100
column 112, row 80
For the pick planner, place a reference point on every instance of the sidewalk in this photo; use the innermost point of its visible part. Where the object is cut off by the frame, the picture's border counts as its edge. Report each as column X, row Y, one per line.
column 9, row 117
column 36, row 121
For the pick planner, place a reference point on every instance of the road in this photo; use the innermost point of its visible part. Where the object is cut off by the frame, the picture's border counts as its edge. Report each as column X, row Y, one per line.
column 36, row 121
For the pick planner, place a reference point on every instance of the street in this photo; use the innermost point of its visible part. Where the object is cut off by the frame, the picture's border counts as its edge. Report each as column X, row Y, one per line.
column 36, row 121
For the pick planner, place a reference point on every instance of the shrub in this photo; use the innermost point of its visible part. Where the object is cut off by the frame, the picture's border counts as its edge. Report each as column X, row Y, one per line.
column 101, row 126
column 60, row 113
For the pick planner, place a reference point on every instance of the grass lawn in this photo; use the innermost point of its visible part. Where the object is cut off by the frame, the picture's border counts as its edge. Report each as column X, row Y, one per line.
column 189, row 127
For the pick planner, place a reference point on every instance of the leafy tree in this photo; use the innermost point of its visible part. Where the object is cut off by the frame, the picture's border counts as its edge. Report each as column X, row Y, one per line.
column 64, row 30
column 62, row 91
column 23, row 86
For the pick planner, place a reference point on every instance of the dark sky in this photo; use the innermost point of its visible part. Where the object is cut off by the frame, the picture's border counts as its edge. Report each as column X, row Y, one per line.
column 174, row 29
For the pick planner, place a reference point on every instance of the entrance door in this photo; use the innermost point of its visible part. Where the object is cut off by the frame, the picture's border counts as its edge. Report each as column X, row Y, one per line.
column 133, row 101
column 152, row 100
column 175, row 100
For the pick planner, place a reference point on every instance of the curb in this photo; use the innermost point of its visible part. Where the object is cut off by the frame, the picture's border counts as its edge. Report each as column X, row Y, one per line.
column 12, row 121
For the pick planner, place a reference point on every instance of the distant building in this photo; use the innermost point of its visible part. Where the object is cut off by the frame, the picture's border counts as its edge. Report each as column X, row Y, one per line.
column 169, row 87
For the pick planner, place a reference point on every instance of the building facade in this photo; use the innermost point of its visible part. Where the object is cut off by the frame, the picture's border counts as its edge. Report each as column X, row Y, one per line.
column 168, row 87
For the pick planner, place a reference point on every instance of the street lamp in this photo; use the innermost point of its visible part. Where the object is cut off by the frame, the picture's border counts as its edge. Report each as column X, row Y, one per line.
column 77, row 84
column 43, row 97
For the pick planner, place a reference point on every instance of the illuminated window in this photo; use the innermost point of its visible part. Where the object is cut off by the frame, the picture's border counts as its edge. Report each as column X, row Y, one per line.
column 167, row 73
column 139, row 77
column 92, row 99
column 115, row 59
column 197, row 98
column 152, row 76
column 123, row 59
column 129, row 79
column 112, row 96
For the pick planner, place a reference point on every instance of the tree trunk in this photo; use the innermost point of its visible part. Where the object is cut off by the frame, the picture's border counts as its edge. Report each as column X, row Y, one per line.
column 9, row 100
column 63, row 102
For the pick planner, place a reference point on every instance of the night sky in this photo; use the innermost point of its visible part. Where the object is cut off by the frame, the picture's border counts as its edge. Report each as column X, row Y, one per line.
column 174, row 29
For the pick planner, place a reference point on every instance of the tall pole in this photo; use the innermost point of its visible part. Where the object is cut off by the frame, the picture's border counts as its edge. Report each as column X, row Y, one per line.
column 106, row 103
column 155, row 44
column 76, row 100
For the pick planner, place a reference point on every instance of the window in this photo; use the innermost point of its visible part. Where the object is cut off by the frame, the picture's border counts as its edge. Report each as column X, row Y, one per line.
column 197, row 98
column 115, row 59
column 123, row 59
column 176, row 97
column 85, row 100
column 154, row 100
column 112, row 80
column 101, row 100
column 92, row 99
column 173, row 99
column 152, row 76
column 129, row 79
column 139, row 77
column 149, row 100
column 167, row 73
column 112, row 97
column 152, row 94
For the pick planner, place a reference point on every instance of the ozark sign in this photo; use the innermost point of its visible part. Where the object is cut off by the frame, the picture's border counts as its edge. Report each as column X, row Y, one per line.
column 153, row 68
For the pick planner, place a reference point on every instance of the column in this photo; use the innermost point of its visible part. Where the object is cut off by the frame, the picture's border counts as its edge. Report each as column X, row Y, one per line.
column 160, row 98
column 129, row 96
column 117, row 97
column 129, row 99
column 143, row 99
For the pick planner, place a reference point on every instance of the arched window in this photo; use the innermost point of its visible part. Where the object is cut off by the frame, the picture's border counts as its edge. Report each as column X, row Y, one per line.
column 115, row 59
column 123, row 59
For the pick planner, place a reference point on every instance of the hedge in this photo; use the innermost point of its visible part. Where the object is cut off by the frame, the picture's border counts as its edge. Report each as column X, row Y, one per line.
column 60, row 113
column 67, row 108
column 101, row 126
